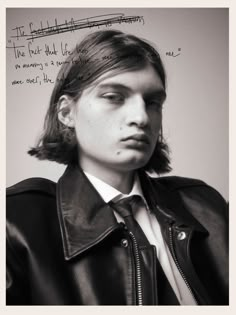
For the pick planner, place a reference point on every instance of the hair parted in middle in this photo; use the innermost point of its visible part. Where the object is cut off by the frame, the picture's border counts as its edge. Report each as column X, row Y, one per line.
column 98, row 53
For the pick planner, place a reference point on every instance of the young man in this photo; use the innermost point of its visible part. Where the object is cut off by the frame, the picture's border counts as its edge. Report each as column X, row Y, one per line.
column 70, row 242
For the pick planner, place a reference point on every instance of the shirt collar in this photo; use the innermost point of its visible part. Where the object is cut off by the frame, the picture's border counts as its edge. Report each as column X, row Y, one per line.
column 109, row 193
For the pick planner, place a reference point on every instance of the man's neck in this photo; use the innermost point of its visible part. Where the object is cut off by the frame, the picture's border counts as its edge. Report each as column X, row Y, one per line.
column 122, row 181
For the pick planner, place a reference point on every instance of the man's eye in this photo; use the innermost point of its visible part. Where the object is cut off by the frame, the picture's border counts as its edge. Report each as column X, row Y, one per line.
column 114, row 97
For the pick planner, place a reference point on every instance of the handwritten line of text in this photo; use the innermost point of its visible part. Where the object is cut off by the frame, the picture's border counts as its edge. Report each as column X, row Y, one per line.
column 73, row 25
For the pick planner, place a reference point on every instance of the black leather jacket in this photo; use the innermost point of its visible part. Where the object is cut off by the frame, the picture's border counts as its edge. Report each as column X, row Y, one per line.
column 64, row 245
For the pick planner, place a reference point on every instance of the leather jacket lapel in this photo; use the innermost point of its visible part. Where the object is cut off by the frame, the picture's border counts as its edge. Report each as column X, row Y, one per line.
column 85, row 219
column 167, row 205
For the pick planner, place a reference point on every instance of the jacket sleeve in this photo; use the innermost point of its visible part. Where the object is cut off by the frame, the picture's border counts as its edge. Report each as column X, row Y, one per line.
column 21, row 202
column 15, row 277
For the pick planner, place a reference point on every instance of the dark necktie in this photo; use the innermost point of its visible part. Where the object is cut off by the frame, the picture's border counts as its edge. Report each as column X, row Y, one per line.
column 124, row 207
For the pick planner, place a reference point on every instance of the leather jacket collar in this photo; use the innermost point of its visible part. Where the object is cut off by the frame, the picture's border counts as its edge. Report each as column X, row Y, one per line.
column 85, row 219
column 168, row 205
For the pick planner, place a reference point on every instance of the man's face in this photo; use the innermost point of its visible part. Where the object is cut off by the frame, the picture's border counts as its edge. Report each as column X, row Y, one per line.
column 118, row 119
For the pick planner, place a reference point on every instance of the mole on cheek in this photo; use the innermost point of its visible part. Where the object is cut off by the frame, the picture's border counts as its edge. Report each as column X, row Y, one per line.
column 117, row 152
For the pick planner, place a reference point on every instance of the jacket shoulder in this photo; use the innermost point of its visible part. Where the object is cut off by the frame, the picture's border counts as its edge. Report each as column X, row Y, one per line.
column 178, row 182
column 192, row 188
column 189, row 186
column 34, row 184
column 30, row 203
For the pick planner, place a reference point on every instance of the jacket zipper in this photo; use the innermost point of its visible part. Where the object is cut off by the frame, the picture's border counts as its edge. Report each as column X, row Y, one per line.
column 177, row 264
column 138, row 270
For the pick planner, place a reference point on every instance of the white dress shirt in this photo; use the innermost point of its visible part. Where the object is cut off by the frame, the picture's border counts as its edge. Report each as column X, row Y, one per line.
column 151, row 228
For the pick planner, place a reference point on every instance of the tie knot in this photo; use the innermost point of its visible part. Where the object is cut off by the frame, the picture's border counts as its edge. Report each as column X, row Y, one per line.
column 126, row 205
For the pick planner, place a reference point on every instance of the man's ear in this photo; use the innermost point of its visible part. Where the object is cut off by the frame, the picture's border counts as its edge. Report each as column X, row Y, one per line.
column 66, row 111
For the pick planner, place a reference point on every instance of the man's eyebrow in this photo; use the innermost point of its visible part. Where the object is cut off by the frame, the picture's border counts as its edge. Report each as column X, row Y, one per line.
column 113, row 85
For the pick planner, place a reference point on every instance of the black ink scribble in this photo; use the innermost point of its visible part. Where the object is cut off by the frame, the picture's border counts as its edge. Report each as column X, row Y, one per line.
column 172, row 54
column 73, row 25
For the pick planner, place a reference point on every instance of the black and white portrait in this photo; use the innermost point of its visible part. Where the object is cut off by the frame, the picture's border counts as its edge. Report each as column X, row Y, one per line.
column 117, row 156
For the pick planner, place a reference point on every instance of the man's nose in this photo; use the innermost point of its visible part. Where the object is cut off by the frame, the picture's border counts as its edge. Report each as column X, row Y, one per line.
column 137, row 112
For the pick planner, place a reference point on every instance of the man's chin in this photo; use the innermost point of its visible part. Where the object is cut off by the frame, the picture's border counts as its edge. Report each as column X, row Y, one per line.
column 134, row 163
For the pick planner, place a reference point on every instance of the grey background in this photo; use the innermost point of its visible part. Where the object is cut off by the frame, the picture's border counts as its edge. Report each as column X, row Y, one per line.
column 195, row 117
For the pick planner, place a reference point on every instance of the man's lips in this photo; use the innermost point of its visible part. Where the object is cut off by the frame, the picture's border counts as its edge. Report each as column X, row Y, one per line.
column 138, row 137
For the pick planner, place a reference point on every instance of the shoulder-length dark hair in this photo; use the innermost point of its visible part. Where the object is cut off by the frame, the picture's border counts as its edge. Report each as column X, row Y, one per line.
column 97, row 54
